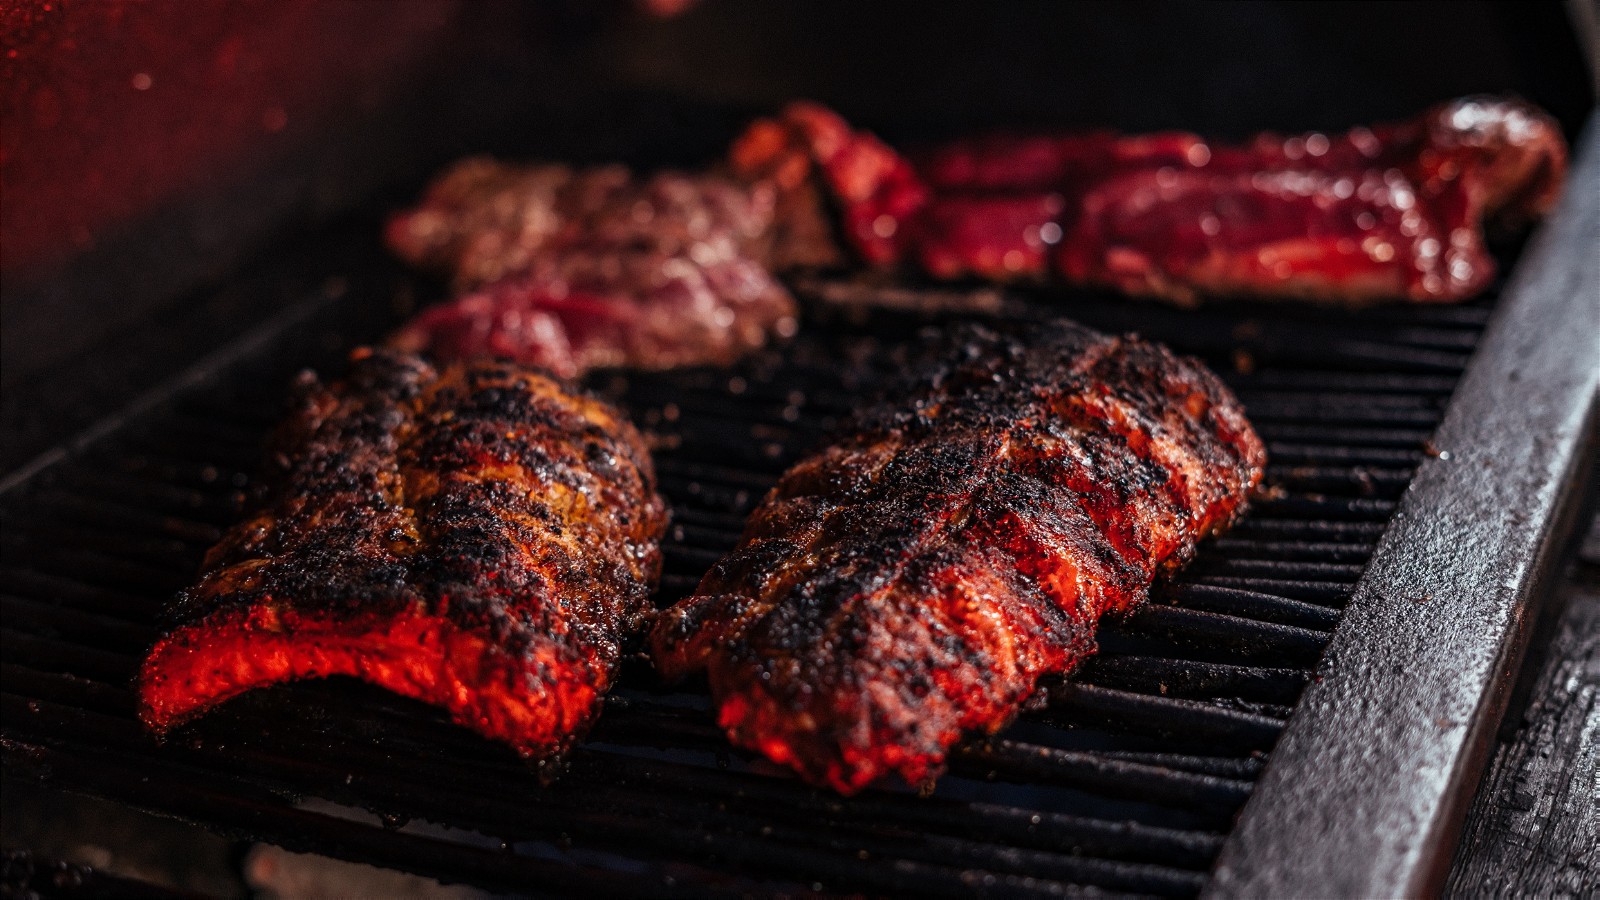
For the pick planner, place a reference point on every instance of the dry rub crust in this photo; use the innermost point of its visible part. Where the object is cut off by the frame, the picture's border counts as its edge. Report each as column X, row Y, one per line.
column 914, row 580
column 477, row 537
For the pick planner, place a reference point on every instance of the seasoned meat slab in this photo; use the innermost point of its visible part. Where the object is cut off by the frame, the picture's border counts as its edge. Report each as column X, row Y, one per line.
column 1396, row 211
column 915, row 579
column 571, row 270
column 477, row 537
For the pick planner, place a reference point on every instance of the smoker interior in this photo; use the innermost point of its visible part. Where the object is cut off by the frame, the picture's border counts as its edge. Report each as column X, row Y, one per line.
column 1131, row 777
column 1127, row 780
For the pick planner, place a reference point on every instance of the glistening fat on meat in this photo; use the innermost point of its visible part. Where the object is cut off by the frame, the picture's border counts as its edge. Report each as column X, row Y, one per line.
column 1398, row 211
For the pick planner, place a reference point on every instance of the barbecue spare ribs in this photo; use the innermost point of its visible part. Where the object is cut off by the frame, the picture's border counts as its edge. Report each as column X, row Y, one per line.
column 477, row 537
column 572, row 270
column 1397, row 211
column 916, row 579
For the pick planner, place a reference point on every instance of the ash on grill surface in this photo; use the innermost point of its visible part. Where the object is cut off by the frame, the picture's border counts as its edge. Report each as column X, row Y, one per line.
column 1127, row 779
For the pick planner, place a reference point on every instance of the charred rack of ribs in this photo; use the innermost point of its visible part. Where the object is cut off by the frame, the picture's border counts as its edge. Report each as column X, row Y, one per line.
column 915, row 579
column 477, row 537
column 1396, row 211
column 571, row 270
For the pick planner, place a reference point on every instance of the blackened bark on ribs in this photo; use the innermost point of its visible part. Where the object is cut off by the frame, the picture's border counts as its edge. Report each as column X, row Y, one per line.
column 914, row 580
column 476, row 537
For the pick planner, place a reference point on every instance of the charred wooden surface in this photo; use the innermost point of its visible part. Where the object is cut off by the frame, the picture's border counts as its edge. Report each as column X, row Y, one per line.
column 1534, row 830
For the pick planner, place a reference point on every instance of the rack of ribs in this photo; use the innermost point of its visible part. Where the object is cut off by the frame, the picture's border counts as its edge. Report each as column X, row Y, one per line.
column 1396, row 211
column 477, row 537
column 915, row 579
column 572, row 270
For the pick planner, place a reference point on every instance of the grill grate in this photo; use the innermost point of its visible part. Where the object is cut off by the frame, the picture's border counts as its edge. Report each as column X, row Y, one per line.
column 1127, row 779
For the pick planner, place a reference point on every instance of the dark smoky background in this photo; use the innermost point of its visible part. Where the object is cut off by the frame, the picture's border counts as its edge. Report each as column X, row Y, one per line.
column 151, row 151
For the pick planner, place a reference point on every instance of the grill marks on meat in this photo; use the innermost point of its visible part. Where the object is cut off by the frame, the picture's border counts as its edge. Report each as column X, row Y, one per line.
column 476, row 537
column 576, row 270
column 1397, row 211
column 914, row 580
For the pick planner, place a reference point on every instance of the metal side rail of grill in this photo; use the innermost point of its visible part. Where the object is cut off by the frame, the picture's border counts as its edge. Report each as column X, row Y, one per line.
column 1129, row 779
column 1372, row 779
